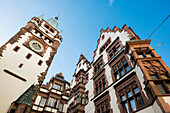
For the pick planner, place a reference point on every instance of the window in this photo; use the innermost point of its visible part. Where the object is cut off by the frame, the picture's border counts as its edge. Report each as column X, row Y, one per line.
column 164, row 75
column 55, row 103
column 55, row 86
column 118, row 46
column 103, row 107
column 104, row 83
column 105, row 45
column 20, row 66
column 140, row 54
column 16, row 49
column 52, row 30
column 127, row 68
column 43, row 100
column 28, row 56
column 120, row 68
column 96, row 89
column 98, row 66
column 40, row 62
column 107, row 107
column 144, row 52
column 82, row 98
column 98, row 111
column 81, row 79
column 133, row 96
column 121, row 72
column 60, row 107
column 87, row 97
column 125, row 107
column 159, row 75
column 100, row 85
column 154, row 76
column 110, row 54
column 148, row 54
column 101, row 64
column 102, row 37
column 58, row 87
column 46, row 26
column 114, row 50
column 161, row 88
column 133, row 105
column 52, row 102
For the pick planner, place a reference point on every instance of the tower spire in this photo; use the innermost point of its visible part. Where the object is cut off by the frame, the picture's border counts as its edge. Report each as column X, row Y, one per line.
column 60, row 33
column 41, row 16
column 57, row 16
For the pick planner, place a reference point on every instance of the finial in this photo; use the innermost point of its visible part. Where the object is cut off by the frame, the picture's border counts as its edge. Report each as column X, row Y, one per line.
column 60, row 33
column 57, row 16
column 41, row 16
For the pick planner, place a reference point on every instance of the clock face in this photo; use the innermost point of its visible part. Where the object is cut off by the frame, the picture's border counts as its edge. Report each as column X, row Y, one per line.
column 36, row 46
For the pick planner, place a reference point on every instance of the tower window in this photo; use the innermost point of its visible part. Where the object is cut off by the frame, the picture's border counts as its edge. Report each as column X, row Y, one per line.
column 20, row 66
column 52, row 30
column 16, row 49
column 28, row 56
column 46, row 26
column 40, row 62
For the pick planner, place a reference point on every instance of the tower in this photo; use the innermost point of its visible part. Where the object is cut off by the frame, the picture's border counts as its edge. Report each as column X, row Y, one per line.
column 78, row 93
column 26, row 57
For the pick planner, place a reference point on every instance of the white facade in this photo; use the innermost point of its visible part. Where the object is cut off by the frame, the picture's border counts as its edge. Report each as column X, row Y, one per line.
column 18, row 73
column 123, row 35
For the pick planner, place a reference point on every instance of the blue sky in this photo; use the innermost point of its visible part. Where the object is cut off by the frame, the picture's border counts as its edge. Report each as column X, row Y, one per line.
column 82, row 20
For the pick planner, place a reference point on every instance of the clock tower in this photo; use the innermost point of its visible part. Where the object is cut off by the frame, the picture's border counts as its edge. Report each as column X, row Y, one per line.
column 26, row 57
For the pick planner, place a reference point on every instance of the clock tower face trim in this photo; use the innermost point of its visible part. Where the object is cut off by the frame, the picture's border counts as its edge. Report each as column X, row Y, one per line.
column 36, row 46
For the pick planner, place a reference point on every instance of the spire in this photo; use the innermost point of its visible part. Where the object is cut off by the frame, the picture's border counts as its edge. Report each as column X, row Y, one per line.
column 57, row 16
column 53, row 23
column 60, row 33
column 41, row 17
column 81, row 57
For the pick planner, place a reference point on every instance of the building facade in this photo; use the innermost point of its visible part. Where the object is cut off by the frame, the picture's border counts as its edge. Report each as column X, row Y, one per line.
column 78, row 94
column 53, row 96
column 25, row 60
column 126, row 75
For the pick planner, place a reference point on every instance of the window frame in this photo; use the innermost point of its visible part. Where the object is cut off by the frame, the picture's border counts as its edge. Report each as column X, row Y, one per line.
column 115, row 47
column 117, row 70
column 100, row 83
column 144, row 52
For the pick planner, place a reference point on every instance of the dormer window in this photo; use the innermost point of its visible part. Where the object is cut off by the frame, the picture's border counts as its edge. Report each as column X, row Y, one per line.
column 38, row 21
column 46, row 26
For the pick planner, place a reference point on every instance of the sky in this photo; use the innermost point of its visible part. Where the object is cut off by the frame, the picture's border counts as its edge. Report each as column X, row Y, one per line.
column 82, row 20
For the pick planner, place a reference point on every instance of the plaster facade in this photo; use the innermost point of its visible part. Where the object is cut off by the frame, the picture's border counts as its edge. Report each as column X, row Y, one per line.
column 25, row 60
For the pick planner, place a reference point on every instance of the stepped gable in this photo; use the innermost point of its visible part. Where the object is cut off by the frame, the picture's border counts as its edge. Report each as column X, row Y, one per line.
column 114, row 30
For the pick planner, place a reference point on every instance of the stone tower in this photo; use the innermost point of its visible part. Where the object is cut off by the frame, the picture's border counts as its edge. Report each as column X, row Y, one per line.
column 26, row 57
